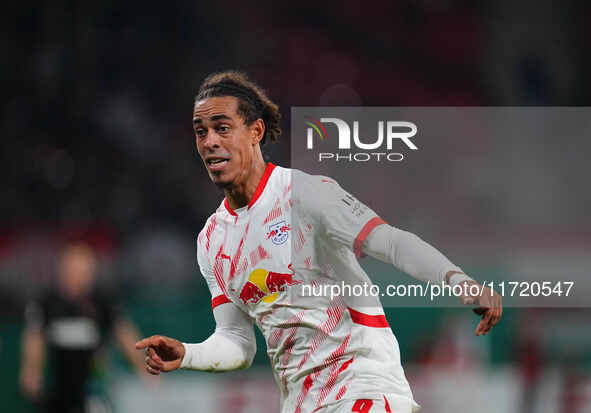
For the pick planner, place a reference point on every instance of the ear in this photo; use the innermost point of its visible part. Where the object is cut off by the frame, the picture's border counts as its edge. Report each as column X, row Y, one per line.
column 257, row 130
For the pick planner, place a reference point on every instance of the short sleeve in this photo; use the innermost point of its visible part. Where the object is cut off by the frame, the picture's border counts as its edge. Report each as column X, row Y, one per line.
column 341, row 216
column 218, row 296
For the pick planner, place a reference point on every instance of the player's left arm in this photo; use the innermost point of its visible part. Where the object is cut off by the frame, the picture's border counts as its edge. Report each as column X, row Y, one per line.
column 347, row 221
column 411, row 254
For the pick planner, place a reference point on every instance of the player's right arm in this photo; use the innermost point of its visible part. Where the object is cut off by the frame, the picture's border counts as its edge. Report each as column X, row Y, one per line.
column 231, row 347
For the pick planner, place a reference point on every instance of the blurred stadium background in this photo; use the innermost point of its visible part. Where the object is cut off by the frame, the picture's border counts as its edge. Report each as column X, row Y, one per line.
column 98, row 146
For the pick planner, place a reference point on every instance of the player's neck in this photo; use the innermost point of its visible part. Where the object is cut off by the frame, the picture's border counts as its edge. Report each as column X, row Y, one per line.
column 239, row 196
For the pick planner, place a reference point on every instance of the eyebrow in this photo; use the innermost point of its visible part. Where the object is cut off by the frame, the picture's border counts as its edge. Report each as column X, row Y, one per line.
column 213, row 118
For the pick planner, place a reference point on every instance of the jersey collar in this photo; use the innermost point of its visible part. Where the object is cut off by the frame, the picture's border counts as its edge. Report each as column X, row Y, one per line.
column 257, row 193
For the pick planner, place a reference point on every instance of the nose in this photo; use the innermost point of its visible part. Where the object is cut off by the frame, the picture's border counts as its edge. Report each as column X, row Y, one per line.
column 211, row 141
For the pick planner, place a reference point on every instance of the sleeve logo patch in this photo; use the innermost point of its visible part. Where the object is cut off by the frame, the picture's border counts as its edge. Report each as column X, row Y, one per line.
column 279, row 232
column 356, row 207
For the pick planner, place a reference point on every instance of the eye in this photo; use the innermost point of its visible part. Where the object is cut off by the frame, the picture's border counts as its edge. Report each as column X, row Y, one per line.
column 200, row 132
column 223, row 128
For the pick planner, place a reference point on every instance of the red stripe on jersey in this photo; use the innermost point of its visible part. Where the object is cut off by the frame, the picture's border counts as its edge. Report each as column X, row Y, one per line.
column 335, row 313
column 243, row 266
column 332, row 380
column 219, row 300
column 218, row 268
column 262, row 184
column 236, row 259
column 286, row 190
column 364, row 233
column 259, row 254
column 308, row 381
column 289, row 342
column 378, row 321
column 229, row 208
column 300, row 241
column 387, row 405
column 275, row 337
column 209, row 231
column 343, row 390
column 257, row 193
column 274, row 213
column 333, row 358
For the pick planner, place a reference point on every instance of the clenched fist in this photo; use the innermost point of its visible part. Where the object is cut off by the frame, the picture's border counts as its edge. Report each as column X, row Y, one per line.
column 488, row 304
column 162, row 353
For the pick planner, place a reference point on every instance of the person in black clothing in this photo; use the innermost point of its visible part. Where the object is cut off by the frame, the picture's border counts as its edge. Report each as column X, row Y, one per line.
column 69, row 323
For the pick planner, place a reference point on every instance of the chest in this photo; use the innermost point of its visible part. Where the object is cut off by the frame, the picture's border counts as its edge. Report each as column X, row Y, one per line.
column 252, row 256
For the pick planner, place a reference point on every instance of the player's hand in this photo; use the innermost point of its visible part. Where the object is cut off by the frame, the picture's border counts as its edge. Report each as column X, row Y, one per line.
column 488, row 305
column 162, row 353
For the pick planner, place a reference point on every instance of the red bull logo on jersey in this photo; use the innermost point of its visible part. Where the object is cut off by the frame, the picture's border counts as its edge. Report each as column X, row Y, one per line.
column 263, row 285
column 279, row 232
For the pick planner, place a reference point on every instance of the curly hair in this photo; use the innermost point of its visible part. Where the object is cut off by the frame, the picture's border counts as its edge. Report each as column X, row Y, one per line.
column 253, row 103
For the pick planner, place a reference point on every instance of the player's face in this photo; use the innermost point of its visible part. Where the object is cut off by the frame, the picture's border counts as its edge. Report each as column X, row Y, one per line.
column 223, row 139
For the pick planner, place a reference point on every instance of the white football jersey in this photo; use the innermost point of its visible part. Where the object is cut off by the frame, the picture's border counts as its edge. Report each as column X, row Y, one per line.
column 301, row 231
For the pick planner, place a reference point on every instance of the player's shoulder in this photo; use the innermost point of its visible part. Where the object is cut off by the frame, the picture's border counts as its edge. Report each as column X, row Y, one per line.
column 303, row 186
column 303, row 179
column 212, row 218
column 313, row 188
column 210, row 224
column 278, row 180
column 282, row 174
column 314, row 195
